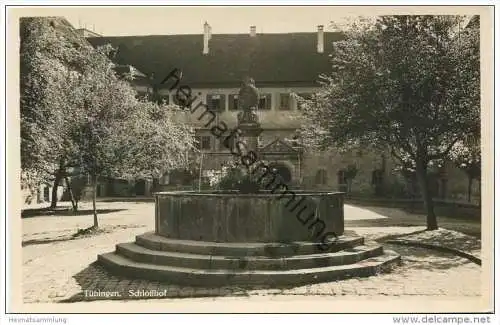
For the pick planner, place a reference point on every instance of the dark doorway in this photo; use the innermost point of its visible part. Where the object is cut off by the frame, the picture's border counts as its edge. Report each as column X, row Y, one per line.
column 283, row 171
column 140, row 187
column 46, row 193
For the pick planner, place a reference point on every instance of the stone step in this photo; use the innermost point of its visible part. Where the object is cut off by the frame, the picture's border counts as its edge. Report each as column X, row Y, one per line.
column 213, row 278
column 160, row 243
column 145, row 255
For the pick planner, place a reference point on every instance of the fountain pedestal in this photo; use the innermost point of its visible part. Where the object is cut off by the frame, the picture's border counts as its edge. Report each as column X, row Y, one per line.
column 216, row 239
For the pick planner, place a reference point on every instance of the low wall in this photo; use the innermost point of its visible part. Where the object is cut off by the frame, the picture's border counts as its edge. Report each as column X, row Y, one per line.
column 229, row 217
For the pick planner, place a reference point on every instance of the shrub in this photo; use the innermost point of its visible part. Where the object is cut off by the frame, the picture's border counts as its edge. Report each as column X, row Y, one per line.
column 235, row 177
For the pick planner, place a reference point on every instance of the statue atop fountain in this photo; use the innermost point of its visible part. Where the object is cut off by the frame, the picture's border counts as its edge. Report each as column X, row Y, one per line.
column 248, row 100
column 248, row 120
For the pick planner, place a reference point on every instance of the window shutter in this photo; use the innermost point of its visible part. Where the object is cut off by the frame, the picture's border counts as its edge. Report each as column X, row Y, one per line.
column 268, row 101
column 233, row 102
column 222, row 103
column 209, row 102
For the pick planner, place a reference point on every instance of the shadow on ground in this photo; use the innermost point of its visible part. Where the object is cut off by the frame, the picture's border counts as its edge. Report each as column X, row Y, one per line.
column 128, row 199
column 63, row 212
column 96, row 282
column 79, row 234
column 415, row 258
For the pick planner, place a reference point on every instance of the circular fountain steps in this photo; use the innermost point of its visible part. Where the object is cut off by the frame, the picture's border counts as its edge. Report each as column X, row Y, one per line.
column 212, row 264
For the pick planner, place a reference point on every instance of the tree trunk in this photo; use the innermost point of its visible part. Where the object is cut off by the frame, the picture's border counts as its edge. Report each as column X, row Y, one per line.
column 423, row 180
column 469, row 188
column 57, row 181
column 94, row 197
column 74, row 201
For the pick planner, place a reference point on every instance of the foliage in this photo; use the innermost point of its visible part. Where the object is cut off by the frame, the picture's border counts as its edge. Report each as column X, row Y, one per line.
column 467, row 156
column 235, row 177
column 76, row 112
column 46, row 80
column 155, row 142
column 407, row 83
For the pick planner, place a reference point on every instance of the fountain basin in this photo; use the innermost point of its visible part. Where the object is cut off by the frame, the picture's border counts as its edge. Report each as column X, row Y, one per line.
column 224, row 216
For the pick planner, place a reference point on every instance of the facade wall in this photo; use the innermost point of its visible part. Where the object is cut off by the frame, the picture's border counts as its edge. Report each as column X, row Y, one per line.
column 273, row 117
column 310, row 170
column 331, row 162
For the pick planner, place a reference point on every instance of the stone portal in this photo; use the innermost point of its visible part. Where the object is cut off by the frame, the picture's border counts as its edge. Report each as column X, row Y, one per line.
column 283, row 171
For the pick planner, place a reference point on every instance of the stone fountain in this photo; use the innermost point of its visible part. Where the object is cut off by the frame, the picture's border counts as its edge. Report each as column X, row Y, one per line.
column 217, row 238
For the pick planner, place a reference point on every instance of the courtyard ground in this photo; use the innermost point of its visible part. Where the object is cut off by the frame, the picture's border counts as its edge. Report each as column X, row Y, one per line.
column 58, row 267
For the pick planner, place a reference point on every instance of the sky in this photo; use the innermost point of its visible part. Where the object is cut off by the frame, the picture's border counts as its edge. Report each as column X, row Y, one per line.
column 121, row 21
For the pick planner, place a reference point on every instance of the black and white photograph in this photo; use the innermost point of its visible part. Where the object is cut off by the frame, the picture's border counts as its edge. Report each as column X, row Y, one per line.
column 203, row 158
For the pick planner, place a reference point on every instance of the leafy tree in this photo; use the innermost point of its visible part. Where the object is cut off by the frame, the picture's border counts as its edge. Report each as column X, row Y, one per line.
column 50, row 62
column 406, row 83
column 155, row 142
column 76, row 112
column 467, row 157
column 121, row 137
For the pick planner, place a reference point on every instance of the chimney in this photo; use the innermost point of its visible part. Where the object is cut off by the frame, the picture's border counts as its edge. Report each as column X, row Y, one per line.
column 253, row 31
column 207, row 34
column 321, row 45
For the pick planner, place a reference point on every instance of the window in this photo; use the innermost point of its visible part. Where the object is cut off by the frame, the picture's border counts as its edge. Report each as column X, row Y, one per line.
column 216, row 102
column 306, row 96
column 341, row 177
column 284, row 102
column 265, row 102
column 206, row 143
column 203, row 142
column 233, row 102
column 321, row 177
column 231, row 142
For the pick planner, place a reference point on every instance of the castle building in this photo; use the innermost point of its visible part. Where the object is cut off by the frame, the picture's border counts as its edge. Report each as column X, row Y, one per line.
column 213, row 67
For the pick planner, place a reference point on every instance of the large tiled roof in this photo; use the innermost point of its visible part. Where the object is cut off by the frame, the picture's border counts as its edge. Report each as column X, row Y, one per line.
column 271, row 59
